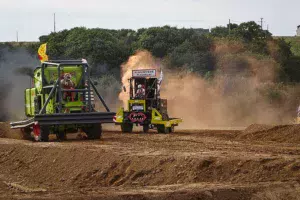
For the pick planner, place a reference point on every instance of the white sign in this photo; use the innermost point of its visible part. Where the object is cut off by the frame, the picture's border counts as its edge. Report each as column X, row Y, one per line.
column 144, row 73
column 138, row 108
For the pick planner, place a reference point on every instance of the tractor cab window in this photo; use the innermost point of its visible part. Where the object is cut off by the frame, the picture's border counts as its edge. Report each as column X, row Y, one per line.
column 144, row 88
column 151, row 88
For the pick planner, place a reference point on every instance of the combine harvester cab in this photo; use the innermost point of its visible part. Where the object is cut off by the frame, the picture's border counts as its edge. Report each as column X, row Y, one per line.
column 62, row 101
column 145, row 107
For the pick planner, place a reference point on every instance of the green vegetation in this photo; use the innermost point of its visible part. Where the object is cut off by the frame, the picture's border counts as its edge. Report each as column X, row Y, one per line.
column 292, row 64
column 191, row 49
column 295, row 44
column 241, row 51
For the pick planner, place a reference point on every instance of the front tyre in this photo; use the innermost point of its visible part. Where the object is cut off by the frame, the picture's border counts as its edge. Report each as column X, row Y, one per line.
column 44, row 134
column 146, row 128
column 126, row 127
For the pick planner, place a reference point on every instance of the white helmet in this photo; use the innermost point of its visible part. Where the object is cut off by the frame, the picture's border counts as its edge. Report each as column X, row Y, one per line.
column 139, row 86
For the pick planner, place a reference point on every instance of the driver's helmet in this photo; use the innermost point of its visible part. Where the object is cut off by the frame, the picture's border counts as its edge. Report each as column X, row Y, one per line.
column 139, row 86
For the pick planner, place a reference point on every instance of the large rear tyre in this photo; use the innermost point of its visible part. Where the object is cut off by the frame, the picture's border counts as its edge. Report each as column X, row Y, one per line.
column 44, row 134
column 94, row 132
column 126, row 128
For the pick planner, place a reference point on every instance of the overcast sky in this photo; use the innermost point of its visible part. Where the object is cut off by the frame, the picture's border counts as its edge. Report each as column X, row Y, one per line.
column 33, row 18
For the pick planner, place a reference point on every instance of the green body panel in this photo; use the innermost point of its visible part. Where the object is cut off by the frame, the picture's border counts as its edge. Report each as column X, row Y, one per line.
column 136, row 101
column 30, row 94
column 50, row 106
column 74, row 105
column 51, row 73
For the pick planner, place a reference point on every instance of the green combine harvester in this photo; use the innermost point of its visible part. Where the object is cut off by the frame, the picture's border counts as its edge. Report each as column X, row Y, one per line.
column 62, row 101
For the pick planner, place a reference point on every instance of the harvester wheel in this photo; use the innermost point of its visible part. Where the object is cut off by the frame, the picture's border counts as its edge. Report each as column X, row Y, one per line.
column 126, row 128
column 61, row 135
column 163, row 129
column 167, row 130
column 172, row 129
column 146, row 128
column 44, row 134
column 26, row 133
column 94, row 132
column 160, row 128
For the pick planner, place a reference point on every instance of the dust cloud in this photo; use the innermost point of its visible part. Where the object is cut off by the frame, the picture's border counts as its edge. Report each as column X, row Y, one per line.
column 235, row 96
column 12, row 83
column 141, row 60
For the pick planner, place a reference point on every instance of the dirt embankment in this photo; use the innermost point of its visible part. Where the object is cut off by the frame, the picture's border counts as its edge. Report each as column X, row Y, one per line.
column 7, row 132
column 205, row 164
column 282, row 133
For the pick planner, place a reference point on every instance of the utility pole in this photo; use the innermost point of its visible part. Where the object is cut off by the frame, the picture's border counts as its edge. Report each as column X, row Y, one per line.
column 17, row 33
column 54, row 24
column 261, row 23
column 229, row 27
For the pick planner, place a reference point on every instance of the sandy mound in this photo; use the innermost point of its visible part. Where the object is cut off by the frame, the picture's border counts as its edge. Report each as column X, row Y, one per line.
column 257, row 127
column 283, row 133
column 7, row 132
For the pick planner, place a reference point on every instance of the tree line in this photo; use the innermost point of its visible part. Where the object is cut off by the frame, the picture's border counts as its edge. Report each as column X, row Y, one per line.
column 186, row 48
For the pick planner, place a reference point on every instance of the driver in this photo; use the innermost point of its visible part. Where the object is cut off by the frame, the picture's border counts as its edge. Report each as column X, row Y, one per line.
column 67, row 83
column 140, row 92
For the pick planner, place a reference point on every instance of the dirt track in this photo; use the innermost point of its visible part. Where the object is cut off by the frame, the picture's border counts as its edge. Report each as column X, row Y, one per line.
column 207, row 164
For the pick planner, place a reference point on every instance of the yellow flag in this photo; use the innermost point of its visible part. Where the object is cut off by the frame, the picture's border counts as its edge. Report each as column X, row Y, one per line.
column 42, row 53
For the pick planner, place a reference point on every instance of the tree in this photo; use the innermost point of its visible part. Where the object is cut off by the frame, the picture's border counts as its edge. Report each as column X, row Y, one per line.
column 160, row 40
column 219, row 31
column 194, row 55
column 222, row 31
column 250, row 31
